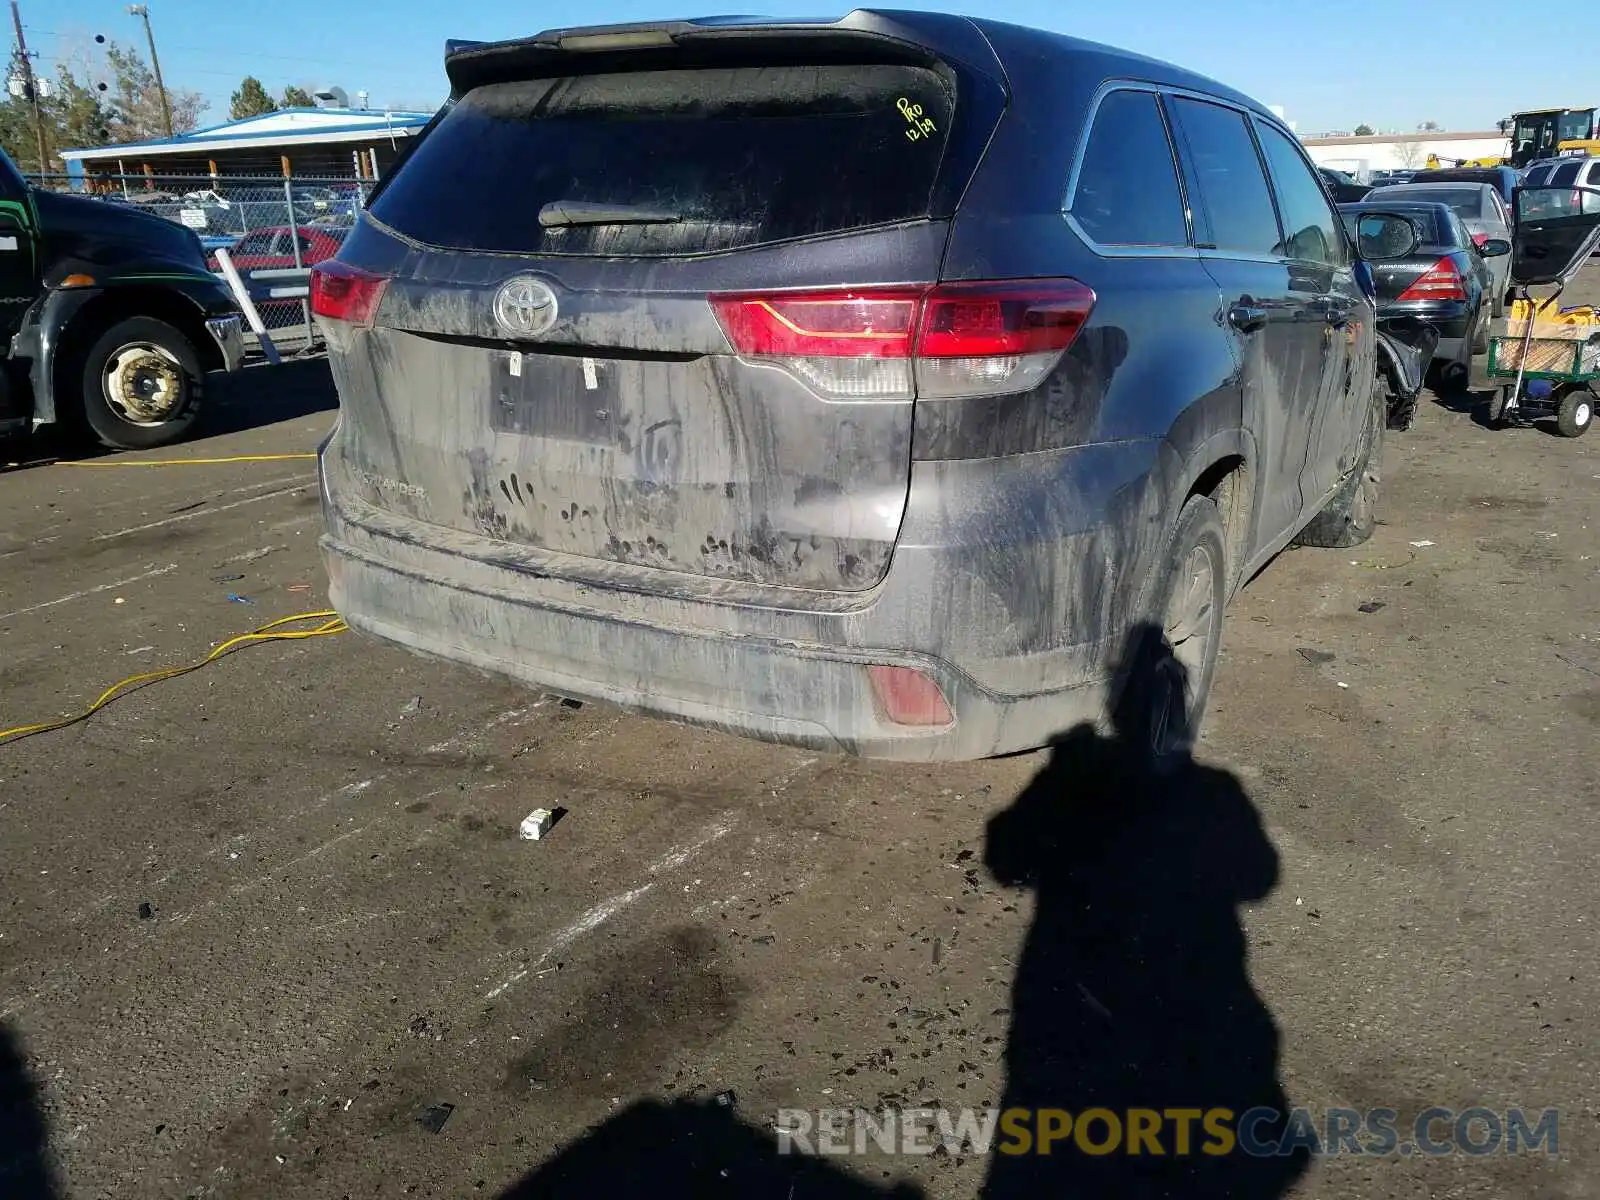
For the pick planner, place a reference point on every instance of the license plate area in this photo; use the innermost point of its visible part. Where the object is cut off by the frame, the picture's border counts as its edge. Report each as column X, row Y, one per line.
column 557, row 396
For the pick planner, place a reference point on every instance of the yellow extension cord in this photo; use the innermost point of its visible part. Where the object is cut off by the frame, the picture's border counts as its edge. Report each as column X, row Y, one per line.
column 270, row 632
column 184, row 462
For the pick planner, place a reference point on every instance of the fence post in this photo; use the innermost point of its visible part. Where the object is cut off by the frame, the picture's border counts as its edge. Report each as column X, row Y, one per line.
column 299, row 264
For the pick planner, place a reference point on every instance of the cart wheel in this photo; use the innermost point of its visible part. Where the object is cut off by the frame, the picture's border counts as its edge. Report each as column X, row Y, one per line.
column 1576, row 413
column 1499, row 401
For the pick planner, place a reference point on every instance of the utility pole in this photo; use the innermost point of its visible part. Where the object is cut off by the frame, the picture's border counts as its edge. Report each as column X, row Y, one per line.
column 140, row 10
column 31, row 86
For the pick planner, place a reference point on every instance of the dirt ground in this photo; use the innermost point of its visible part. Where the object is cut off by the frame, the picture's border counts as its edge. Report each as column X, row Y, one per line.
column 268, row 929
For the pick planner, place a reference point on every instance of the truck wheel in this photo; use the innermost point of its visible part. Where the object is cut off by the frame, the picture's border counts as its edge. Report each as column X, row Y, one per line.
column 1351, row 516
column 142, row 384
column 1172, row 655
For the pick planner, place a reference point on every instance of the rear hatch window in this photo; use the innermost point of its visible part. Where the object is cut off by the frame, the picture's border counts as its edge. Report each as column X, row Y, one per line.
column 1430, row 230
column 675, row 162
column 1468, row 202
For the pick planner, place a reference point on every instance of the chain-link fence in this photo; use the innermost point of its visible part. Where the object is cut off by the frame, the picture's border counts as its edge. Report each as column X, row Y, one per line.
column 273, row 228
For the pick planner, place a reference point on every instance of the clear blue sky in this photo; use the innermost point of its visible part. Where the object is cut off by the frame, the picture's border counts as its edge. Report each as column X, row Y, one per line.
column 1361, row 69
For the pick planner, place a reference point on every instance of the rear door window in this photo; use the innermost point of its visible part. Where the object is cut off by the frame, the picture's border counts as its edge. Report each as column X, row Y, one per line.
column 1127, row 192
column 690, row 161
column 1233, row 188
column 1311, row 230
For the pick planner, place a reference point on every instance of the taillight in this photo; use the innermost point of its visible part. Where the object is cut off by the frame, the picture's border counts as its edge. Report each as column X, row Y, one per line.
column 908, row 697
column 1480, row 240
column 341, row 292
column 985, row 338
column 1440, row 282
column 849, row 344
column 953, row 339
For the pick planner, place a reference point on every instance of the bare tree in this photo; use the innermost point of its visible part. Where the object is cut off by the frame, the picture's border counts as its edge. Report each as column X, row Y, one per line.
column 1410, row 155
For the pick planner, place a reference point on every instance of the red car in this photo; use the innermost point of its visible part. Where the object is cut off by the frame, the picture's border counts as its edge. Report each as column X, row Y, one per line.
column 268, row 249
column 278, row 300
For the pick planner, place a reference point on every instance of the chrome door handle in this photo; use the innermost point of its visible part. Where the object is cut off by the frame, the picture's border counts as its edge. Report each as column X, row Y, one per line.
column 1245, row 317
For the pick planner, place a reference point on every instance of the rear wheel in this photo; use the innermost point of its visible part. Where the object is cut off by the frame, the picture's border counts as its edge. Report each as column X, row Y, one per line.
column 1576, row 413
column 141, row 382
column 1172, row 656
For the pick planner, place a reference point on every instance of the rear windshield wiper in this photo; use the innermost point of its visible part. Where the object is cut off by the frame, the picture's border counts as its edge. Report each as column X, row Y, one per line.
column 581, row 212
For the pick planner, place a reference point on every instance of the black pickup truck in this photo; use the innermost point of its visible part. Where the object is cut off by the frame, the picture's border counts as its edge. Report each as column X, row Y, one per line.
column 109, row 319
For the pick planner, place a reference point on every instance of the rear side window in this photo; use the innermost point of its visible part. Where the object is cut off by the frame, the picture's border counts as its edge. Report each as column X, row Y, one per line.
column 1311, row 231
column 1233, row 189
column 1127, row 193
column 715, row 158
column 256, row 243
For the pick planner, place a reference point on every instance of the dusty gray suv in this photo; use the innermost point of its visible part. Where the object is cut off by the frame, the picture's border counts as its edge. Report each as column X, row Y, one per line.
column 871, row 383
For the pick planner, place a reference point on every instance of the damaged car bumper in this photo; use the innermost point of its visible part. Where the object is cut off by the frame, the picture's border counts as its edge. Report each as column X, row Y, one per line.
column 1013, row 609
column 227, row 332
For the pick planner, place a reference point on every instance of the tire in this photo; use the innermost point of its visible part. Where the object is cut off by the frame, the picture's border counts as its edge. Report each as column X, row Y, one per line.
column 157, row 372
column 1171, row 656
column 1499, row 400
column 1576, row 413
column 1351, row 515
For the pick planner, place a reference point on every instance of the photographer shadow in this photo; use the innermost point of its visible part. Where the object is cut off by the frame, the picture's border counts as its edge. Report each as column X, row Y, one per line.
column 25, row 1172
column 689, row 1150
column 1133, row 989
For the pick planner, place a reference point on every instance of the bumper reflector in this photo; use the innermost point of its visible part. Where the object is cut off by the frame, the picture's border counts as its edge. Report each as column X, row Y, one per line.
column 908, row 697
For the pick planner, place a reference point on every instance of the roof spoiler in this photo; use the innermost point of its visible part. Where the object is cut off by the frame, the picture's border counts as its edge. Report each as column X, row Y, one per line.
column 921, row 36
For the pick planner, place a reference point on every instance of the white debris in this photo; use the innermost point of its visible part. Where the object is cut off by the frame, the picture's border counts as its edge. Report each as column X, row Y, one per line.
column 536, row 824
column 1344, row 685
column 1422, row 545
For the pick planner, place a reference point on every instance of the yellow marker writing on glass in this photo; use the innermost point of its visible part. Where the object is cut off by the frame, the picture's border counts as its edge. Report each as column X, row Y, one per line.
column 921, row 126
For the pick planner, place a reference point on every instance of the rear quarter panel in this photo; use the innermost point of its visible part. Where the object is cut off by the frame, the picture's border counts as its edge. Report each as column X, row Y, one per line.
column 1155, row 360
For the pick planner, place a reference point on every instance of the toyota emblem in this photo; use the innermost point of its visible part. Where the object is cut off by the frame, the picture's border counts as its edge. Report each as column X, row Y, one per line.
column 524, row 306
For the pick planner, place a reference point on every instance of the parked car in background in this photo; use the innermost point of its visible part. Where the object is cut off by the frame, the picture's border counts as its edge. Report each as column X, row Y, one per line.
column 1504, row 180
column 1483, row 213
column 817, row 418
column 1439, row 278
column 1566, row 171
column 267, row 249
column 1388, row 178
column 327, row 204
column 274, row 250
column 1342, row 187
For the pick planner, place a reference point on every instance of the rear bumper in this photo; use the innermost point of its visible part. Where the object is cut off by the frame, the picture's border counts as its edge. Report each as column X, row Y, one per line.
column 1019, row 634
column 804, row 695
column 1450, row 318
